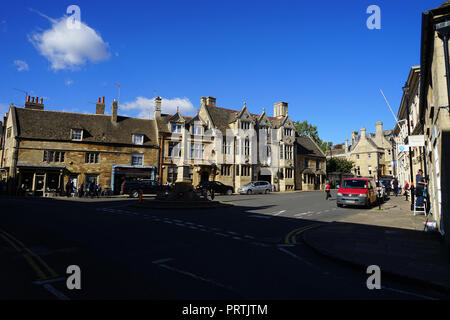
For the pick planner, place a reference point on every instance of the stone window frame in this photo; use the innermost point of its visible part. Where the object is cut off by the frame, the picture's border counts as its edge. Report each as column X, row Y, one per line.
column 92, row 157
column 54, row 156
column 74, row 133
column 138, row 139
column 137, row 156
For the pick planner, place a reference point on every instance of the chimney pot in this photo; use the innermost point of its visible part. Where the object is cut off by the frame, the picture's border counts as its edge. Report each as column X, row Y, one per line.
column 103, row 100
column 28, row 98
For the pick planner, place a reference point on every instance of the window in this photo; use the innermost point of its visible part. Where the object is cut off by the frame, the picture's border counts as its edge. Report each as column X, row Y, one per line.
column 245, row 171
column 369, row 155
column 306, row 163
column 358, row 171
column 289, row 152
column 54, row 156
column 8, row 133
column 246, row 148
column 197, row 130
column 237, row 170
column 370, row 170
column 225, row 170
column 77, row 134
column 91, row 157
column 137, row 159
column 268, row 151
column 196, row 151
column 357, row 156
column 174, row 149
column 317, row 164
column 138, row 139
column 245, row 125
column 281, row 151
column 289, row 173
column 172, row 173
column 226, row 146
column 288, row 132
column 176, row 128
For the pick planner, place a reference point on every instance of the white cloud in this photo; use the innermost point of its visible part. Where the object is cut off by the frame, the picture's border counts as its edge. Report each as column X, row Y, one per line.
column 67, row 47
column 21, row 65
column 68, row 82
column 146, row 106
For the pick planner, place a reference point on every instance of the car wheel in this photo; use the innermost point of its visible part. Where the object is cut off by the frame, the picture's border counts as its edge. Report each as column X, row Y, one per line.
column 249, row 191
column 267, row 191
column 339, row 205
column 135, row 194
column 229, row 192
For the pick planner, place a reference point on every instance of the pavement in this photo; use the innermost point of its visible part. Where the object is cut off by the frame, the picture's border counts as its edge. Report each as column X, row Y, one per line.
column 392, row 238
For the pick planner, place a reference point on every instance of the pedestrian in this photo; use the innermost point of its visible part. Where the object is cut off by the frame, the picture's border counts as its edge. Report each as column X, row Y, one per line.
column 406, row 189
column 395, row 183
column 328, row 190
column 420, row 188
column 99, row 190
column 69, row 188
column 81, row 191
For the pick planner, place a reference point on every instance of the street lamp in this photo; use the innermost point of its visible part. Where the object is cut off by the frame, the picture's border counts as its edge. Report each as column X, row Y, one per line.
column 406, row 92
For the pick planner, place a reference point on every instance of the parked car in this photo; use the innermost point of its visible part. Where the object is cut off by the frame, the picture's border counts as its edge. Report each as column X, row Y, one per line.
column 217, row 186
column 357, row 192
column 256, row 187
column 132, row 187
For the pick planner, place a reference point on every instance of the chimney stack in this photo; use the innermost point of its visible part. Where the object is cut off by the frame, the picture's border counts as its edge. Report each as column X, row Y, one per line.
column 157, row 113
column 33, row 103
column 100, row 106
column 115, row 107
column 379, row 127
column 280, row 109
column 363, row 133
column 211, row 101
column 346, row 145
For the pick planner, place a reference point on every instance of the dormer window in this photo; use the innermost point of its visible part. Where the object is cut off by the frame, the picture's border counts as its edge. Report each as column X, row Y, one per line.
column 197, row 130
column 245, row 125
column 77, row 134
column 138, row 139
column 176, row 128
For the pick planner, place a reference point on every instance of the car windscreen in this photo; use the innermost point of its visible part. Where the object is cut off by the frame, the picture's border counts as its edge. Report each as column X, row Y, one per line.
column 249, row 184
column 354, row 184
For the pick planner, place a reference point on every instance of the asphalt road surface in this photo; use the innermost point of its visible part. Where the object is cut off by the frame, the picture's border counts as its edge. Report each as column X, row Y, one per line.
column 252, row 250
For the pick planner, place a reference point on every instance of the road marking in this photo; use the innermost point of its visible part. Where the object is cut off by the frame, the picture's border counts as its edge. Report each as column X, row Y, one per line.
column 410, row 293
column 291, row 236
column 260, row 216
column 194, row 276
column 57, row 293
column 162, row 260
column 279, row 212
column 295, row 256
column 222, row 234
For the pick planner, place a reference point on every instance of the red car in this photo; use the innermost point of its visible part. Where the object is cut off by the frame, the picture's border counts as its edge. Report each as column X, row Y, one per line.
column 357, row 192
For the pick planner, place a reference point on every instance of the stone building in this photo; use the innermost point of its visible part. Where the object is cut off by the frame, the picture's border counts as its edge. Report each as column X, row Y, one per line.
column 410, row 101
column 310, row 165
column 372, row 153
column 434, row 113
column 44, row 149
column 234, row 147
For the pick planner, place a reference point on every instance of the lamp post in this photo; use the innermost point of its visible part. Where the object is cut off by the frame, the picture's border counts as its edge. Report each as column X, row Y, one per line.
column 406, row 93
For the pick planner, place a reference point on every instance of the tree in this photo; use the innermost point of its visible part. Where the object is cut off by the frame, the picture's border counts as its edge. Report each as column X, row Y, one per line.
column 339, row 165
column 306, row 129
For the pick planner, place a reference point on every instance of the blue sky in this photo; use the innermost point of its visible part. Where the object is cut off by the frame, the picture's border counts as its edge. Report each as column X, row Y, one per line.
column 319, row 56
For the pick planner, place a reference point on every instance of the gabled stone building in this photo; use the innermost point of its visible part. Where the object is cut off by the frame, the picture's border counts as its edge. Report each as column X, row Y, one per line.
column 234, row 147
column 44, row 149
column 372, row 154
column 310, row 165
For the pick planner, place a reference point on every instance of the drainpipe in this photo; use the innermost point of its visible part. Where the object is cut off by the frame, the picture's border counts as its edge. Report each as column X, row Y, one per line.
column 161, row 150
column 406, row 91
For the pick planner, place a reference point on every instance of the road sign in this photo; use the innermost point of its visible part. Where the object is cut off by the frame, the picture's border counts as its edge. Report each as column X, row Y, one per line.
column 403, row 147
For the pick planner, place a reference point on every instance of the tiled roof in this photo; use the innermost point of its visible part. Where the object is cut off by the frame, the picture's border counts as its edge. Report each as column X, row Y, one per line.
column 307, row 146
column 57, row 125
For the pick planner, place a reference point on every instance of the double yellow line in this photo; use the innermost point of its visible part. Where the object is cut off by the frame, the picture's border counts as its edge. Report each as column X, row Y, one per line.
column 36, row 263
column 291, row 237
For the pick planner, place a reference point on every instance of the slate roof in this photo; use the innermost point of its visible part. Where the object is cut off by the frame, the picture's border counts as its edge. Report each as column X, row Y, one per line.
column 57, row 125
column 222, row 117
column 307, row 146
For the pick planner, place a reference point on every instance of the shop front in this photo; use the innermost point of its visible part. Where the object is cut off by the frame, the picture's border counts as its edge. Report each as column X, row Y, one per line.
column 40, row 180
column 121, row 173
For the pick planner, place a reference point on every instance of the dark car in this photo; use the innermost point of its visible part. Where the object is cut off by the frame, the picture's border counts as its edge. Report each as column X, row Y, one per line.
column 217, row 186
column 387, row 183
column 132, row 187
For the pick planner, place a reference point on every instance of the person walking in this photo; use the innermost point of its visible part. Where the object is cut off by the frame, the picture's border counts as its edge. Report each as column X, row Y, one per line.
column 328, row 190
column 395, row 184
column 406, row 188
column 69, row 188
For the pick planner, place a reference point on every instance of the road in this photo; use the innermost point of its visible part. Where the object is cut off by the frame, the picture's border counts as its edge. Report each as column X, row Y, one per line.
column 252, row 250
